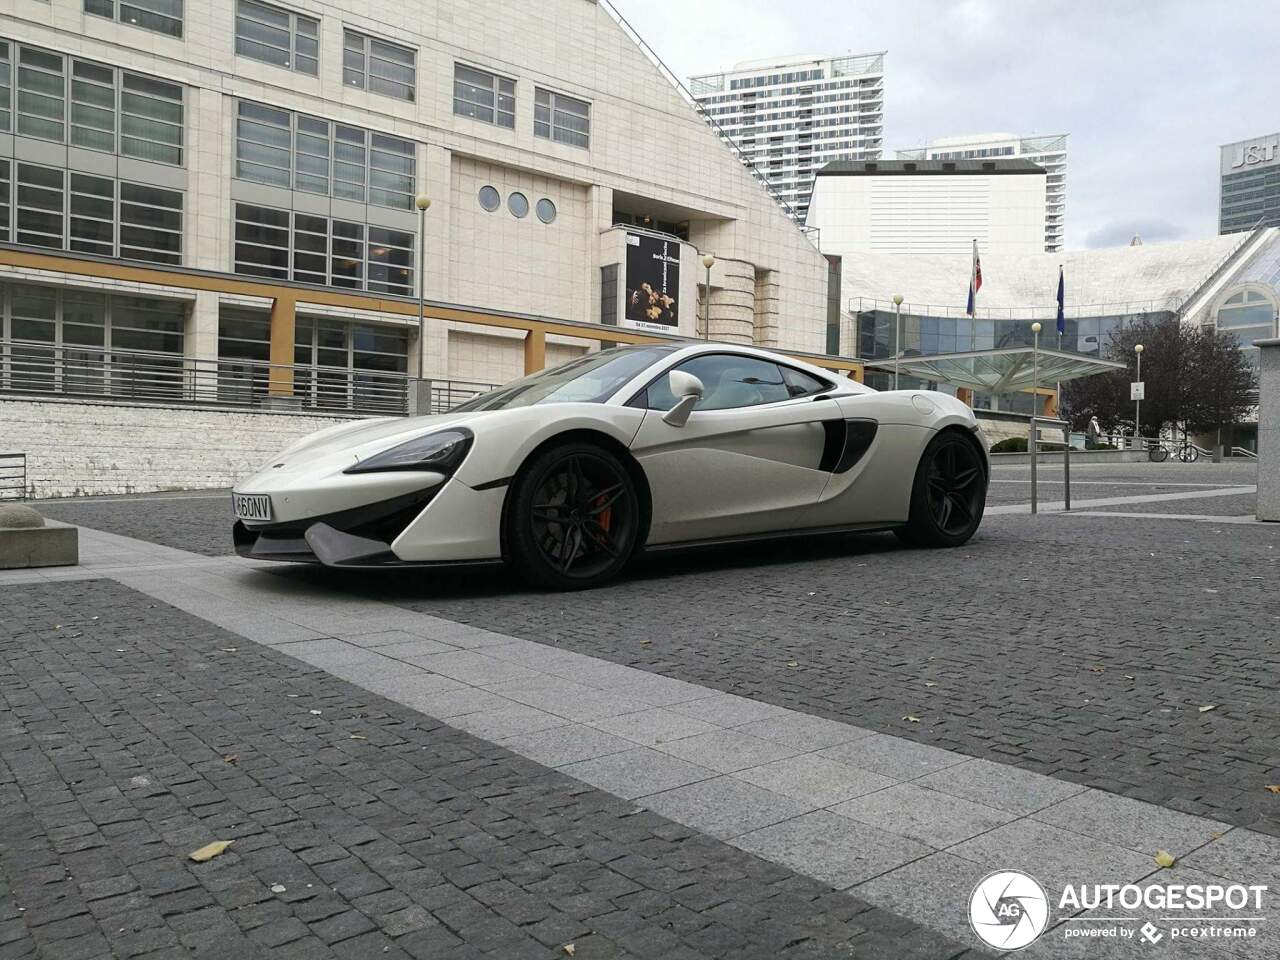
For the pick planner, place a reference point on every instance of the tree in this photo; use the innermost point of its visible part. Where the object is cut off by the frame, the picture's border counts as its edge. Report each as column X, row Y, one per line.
column 1225, row 385
column 1196, row 377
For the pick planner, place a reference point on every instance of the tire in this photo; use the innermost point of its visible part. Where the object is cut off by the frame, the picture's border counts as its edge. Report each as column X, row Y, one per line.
column 1157, row 454
column 1189, row 454
column 948, row 495
column 574, row 517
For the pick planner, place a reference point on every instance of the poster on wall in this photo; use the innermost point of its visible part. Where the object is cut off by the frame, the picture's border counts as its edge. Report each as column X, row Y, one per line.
column 653, row 283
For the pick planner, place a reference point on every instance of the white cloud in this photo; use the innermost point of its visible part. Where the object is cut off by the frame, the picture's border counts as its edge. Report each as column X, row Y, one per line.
column 1146, row 90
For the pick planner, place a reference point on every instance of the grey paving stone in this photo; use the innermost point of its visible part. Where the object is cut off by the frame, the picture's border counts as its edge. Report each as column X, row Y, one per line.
column 934, row 889
column 937, row 819
column 657, row 690
column 1053, row 856
column 567, row 699
column 1001, row 786
column 329, row 652
column 653, row 726
column 893, row 756
column 802, row 731
column 637, row 772
column 1141, row 827
column 470, row 667
column 831, row 848
column 724, row 807
column 814, row 779
column 408, row 684
column 398, row 643
column 727, row 751
column 727, row 710
column 453, row 702
column 1241, row 855
column 507, row 722
column 561, row 745
column 376, row 668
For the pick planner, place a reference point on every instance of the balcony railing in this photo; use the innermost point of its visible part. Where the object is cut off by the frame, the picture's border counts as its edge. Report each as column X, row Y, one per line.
column 41, row 369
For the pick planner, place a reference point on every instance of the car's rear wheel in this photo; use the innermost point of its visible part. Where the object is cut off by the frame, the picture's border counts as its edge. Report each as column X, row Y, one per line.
column 574, row 517
column 949, row 493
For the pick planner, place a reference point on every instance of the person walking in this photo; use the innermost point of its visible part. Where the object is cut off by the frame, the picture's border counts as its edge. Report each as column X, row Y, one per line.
column 1092, row 434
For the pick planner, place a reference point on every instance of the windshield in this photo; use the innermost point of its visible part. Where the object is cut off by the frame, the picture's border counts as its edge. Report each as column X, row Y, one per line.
column 592, row 378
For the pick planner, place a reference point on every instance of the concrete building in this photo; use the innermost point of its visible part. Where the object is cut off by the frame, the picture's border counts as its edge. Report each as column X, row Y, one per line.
column 1249, row 187
column 790, row 117
column 927, row 207
column 1049, row 152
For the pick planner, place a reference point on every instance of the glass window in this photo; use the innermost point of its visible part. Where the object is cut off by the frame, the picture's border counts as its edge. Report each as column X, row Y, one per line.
column 93, row 219
column 276, row 36
column 162, row 16
column 728, row 380
column 801, row 384
column 311, row 155
column 151, row 119
column 40, row 206
column 346, row 262
column 561, row 118
column 591, row 378
column 6, row 87
column 484, row 96
column 262, row 241
column 391, row 175
column 390, row 261
column 41, row 94
column 1248, row 308
column 93, row 106
column 6, row 187
column 518, row 204
column 378, row 66
column 150, row 223
column 350, row 159
column 262, row 144
column 490, row 199
column 546, row 211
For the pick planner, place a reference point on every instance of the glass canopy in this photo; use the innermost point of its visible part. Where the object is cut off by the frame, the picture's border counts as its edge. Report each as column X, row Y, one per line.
column 1007, row 370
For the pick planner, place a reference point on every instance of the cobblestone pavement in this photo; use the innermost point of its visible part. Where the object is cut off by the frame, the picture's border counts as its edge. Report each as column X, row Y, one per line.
column 198, row 521
column 134, row 733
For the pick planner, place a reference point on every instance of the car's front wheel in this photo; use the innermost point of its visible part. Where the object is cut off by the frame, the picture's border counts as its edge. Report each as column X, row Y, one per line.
column 574, row 517
column 949, row 493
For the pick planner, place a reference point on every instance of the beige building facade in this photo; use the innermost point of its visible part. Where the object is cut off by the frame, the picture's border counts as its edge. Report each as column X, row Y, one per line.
column 287, row 142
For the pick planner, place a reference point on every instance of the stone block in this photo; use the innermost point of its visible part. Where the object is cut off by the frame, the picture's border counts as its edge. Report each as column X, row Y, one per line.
column 1269, row 430
column 50, row 545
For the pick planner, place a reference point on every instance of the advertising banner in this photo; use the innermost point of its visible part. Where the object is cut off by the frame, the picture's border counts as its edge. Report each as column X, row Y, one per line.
column 652, row 283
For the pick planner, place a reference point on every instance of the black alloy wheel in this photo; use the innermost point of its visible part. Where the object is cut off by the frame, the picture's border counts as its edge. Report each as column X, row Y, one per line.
column 575, row 517
column 949, row 494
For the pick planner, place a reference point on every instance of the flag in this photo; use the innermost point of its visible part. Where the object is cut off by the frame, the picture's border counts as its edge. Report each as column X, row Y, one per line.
column 975, row 283
column 1062, row 295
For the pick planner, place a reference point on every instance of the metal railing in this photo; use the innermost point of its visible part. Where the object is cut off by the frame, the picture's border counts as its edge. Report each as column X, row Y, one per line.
column 1244, row 452
column 39, row 369
column 1072, row 312
column 13, row 476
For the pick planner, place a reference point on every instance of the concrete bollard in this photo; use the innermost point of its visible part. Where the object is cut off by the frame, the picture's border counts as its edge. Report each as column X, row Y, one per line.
column 28, row 540
column 1269, row 430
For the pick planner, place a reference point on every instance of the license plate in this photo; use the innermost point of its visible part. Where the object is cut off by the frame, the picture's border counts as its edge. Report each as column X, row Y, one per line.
column 252, row 506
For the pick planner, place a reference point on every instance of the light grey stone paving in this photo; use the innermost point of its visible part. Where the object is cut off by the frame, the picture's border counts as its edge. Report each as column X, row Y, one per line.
column 834, row 849
column 724, row 807
column 821, row 797
column 937, row 819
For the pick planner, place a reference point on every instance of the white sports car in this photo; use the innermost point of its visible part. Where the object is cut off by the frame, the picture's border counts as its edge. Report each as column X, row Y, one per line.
column 567, row 473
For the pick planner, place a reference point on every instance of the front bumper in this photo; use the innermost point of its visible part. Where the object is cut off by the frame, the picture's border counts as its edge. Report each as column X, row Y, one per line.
column 358, row 537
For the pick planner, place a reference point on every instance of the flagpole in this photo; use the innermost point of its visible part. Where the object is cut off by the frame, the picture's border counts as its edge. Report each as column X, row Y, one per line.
column 1062, row 323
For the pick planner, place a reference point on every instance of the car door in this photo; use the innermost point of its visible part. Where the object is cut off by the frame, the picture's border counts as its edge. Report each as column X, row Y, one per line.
column 750, row 457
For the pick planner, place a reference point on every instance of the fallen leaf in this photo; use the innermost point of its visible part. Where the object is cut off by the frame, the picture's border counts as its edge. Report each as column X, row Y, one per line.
column 210, row 850
column 910, row 719
column 793, row 663
column 356, row 736
column 1208, row 706
column 1272, row 787
column 315, row 713
column 277, row 888
column 930, row 683
column 1165, row 858
column 570, row 950
column 231, row 758
column 230, row 649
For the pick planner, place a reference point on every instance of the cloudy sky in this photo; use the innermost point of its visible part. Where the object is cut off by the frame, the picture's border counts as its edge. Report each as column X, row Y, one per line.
column 1147, row 89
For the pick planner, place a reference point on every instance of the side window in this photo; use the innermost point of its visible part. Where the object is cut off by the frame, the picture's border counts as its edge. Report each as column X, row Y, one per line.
column 729, row 381
column 801, row 384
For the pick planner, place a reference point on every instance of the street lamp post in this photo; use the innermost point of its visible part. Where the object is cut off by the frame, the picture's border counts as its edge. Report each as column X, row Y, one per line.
column 422, row 202
column 1137, row 403
column 708, row 261
column 1035, row 400
column 897, row 335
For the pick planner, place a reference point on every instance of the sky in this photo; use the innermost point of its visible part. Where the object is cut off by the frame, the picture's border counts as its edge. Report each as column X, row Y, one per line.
column 1146, row 89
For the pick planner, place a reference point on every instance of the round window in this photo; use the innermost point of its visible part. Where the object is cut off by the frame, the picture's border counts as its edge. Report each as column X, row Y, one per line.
column 490, row 199
column 546, row 210
column 518, row 204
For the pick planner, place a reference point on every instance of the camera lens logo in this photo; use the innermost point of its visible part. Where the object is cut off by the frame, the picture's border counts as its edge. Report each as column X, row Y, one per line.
column 1008, row 910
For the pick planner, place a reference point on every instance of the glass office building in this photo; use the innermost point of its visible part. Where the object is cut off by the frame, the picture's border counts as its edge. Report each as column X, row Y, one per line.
column 1250, row 184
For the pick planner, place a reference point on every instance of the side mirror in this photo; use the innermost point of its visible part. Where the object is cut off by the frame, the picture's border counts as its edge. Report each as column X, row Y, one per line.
column 689, row 390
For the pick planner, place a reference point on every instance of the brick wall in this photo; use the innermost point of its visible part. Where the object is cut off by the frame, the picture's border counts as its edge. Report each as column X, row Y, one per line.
column 80, row 449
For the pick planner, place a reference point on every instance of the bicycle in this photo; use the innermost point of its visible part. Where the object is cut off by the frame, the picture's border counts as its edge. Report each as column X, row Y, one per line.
column 1185, row 452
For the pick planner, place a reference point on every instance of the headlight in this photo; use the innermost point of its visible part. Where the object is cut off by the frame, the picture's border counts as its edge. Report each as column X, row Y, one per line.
column 438, row 452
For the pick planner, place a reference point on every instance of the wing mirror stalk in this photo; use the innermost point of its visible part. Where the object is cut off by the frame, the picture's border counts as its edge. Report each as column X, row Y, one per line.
column 689, row 389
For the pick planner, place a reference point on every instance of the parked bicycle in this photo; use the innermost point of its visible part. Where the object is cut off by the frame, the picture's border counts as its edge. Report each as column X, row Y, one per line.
column 1186, row 451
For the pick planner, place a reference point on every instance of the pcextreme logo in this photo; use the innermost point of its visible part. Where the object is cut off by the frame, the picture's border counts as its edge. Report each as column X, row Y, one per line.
column 1008, row 910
